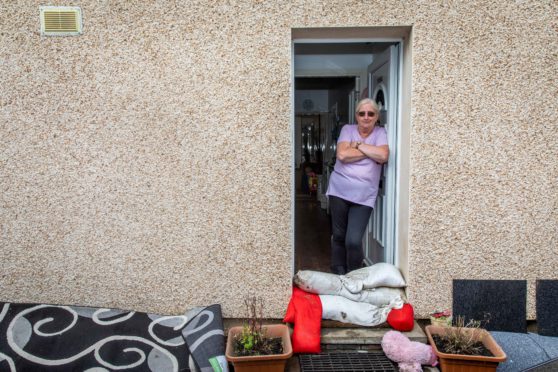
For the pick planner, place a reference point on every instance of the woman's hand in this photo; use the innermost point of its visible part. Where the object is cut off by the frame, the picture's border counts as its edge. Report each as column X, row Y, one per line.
column 347, row 152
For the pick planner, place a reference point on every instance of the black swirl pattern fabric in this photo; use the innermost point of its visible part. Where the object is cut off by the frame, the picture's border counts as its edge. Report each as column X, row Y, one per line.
column 40, row 337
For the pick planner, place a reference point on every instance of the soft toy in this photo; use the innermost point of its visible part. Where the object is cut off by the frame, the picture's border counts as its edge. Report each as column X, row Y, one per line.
column 402, row 319
column 409, row 354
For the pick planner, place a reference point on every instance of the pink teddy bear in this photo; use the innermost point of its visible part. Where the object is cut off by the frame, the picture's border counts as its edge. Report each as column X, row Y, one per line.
column 409, row 354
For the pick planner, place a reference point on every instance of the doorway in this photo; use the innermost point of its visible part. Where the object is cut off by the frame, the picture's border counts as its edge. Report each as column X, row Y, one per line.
column 330, row 78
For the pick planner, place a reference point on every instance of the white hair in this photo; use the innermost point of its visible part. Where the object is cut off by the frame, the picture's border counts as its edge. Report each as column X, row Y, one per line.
column 367, row 101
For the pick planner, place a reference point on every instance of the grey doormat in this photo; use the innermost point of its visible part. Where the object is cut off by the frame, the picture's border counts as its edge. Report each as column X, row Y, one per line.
column 346, row 362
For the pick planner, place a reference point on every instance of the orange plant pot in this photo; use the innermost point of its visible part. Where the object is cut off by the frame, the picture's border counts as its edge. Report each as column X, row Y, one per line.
column 466, row 363
column 264, row 363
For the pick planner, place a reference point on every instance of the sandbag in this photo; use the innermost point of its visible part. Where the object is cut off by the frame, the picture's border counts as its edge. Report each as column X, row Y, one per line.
column 402, row 319
column 381, row 274
column 318, row 282
column 344, row 310
column 331, row 284
column 380, row 296
column 305, row 311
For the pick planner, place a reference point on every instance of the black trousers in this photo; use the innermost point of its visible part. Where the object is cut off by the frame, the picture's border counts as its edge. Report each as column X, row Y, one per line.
column 348, row 223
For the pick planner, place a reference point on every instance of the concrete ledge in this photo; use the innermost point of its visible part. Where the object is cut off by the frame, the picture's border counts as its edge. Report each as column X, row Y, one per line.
column 366, row 336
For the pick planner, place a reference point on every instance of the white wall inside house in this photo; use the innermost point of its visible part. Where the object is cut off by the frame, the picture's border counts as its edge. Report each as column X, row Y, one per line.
column 332, row 65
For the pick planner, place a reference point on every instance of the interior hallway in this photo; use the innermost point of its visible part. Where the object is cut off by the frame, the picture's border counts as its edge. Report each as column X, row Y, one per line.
column 312, row 235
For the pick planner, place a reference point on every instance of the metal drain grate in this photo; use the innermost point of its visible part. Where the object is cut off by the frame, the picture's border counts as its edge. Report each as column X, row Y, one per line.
column 346, row 362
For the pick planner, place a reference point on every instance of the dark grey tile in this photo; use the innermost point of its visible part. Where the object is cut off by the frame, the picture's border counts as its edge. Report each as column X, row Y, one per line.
column 547, row 307
column 502, row 302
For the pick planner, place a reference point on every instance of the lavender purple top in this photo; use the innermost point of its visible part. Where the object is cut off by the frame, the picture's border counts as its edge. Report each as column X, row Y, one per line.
column 357, row 182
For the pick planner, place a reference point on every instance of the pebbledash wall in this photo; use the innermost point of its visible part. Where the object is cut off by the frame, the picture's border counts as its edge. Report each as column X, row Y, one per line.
column 147, row 164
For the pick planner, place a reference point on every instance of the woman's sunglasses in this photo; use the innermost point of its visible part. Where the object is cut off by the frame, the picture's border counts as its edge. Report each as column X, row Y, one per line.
column 370, row 113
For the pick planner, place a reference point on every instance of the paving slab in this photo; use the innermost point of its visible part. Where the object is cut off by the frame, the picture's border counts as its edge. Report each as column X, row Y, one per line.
column 366, row 336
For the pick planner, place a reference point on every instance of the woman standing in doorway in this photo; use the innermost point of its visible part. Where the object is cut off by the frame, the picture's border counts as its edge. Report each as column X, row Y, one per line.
column 353, row 185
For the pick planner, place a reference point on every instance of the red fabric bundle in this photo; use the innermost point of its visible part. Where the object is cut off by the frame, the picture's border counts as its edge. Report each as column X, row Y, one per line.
column 402, row 319
column 305, row 311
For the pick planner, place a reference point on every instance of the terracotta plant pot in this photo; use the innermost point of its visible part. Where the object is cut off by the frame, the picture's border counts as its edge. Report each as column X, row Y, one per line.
column 264, row 363
column 473, row 363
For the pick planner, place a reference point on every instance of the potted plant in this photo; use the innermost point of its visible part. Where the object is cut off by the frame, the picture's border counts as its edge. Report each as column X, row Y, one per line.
column 258, row 347
column 441, row 318
column 465, row 347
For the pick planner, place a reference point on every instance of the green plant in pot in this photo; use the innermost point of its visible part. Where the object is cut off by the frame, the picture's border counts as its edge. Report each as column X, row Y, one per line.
column 465, row 346
column 258, row 347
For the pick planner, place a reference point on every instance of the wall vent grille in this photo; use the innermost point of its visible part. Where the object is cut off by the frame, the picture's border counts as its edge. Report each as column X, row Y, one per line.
column 60, row 21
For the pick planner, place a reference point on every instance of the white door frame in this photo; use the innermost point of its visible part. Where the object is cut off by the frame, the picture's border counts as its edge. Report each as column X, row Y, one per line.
column 395, row 188
column 388, row 234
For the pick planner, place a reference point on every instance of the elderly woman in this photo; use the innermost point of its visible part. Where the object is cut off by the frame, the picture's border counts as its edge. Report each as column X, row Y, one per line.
column 353, row 186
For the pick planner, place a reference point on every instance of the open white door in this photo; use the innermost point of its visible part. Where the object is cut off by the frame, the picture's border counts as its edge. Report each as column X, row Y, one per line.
column 383, row 83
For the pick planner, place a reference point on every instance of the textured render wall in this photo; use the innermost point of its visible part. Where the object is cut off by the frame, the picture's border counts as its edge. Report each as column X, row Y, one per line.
column 484, row 169
column 147, row 163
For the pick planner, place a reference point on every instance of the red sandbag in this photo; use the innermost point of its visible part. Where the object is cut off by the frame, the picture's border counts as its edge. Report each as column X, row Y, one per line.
column 305, row 311
column 402, row 319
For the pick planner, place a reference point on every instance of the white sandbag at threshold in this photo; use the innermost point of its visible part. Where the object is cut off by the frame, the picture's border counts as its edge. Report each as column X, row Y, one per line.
column 364, row 296
column 344, row 310
column 331, row 284
column 376, row 284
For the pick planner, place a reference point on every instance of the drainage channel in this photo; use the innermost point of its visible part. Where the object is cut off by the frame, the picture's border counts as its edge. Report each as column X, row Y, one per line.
column 371, row 361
